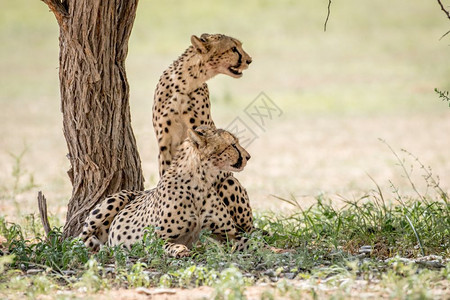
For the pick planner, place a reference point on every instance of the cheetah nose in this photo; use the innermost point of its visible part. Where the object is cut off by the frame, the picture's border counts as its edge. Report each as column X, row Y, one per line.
column 249, row 61
column 248, row 156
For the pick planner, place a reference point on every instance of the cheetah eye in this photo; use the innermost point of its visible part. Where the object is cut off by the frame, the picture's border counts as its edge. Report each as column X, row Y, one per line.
column 234, row 49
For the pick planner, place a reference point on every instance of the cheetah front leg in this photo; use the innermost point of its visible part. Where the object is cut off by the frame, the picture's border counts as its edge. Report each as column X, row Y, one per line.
column 235, row 198
column 171, row 130
column 217, row 219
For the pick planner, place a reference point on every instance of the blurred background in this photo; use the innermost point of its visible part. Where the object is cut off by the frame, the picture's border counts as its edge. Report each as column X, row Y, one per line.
column 371, row 76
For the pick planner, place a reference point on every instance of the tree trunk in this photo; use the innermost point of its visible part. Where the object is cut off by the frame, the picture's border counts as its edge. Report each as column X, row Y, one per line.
column 95, row 102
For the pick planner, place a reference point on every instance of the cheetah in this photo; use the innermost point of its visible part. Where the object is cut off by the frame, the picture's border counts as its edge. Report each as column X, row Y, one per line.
column 184, row 202
column 181, row 102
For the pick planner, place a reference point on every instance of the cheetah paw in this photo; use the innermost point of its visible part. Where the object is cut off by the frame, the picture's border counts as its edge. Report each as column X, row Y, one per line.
column 183, row 253
column 279, row 250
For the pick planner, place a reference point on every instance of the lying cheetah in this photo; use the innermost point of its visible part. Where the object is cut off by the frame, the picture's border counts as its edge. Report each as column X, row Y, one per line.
column 181, row 102
column 184, row 202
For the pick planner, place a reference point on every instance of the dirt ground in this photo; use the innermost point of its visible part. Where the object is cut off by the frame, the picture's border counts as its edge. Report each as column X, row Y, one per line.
column 336, row 155
column 357, row 290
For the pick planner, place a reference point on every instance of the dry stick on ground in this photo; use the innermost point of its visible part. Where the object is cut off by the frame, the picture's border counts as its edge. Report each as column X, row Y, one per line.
column 42, row 203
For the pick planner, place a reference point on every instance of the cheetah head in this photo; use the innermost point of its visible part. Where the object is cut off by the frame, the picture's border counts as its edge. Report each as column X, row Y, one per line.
column 222, row 54
column 219, row 147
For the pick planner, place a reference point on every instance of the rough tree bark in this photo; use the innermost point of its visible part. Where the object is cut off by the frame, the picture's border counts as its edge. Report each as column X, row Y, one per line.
column 95, row 101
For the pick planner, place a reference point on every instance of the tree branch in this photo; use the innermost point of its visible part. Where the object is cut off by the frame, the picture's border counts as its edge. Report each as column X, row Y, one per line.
column 443, row 9
column 328, row 16
column 58, row 9
column 444, row 35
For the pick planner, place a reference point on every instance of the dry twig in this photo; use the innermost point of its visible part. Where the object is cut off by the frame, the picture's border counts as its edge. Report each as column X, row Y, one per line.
column 443, row 9
column 328, row 16
column 42, row 203
column 447, row 13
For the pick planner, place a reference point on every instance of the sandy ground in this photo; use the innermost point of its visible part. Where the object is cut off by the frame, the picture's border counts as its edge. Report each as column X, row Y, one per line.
column 336, row 155
column 303, row 289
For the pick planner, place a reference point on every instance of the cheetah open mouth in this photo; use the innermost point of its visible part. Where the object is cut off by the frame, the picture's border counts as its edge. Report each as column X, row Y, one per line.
column 235, row 70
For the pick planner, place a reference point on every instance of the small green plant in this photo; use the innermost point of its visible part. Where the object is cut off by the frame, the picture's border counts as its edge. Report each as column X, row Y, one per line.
column 20, row 184
column 22, row 180
column 137, row 276
column 443, row 95
column 231, row 285
column 150, row 244
column 195, row 276
column 92, row 279
column 445, row 272
column 4, row 262
column 53, row 251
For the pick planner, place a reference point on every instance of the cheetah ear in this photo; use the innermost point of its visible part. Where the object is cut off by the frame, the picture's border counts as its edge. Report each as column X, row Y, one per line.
column 199, row 44
column 197, row 138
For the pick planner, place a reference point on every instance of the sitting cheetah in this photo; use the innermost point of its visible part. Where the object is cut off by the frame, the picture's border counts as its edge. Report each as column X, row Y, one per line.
column 184, row 202
column 181, row 102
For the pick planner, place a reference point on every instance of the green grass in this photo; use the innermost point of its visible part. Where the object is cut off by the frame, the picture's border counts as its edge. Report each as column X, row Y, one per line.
column 325, row 242
column 327, row 246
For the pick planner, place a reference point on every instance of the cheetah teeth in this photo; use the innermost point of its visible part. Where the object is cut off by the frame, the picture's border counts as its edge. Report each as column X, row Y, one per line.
column 235, row 70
